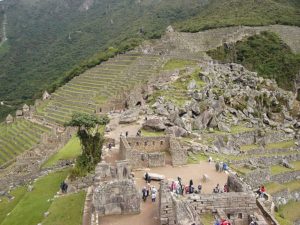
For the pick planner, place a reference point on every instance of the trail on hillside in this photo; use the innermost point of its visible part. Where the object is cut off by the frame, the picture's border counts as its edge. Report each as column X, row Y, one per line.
column 4, row 23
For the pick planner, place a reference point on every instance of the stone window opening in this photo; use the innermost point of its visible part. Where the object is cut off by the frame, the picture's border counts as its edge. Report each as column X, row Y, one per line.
column 153, row 142
column 240, row 215
column 137, row 144
column 146, row 143
column 161, row 142
column 229, row 216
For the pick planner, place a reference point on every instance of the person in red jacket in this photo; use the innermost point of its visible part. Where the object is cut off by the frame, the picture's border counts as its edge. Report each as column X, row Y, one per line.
column 262, row 191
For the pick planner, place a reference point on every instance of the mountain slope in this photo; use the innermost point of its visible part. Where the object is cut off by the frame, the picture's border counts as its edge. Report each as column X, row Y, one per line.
column 223, row 13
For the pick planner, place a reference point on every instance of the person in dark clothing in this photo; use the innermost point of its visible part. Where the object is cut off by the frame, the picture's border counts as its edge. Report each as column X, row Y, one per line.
column 64, row 187
column 126, row 133
column 145, row 195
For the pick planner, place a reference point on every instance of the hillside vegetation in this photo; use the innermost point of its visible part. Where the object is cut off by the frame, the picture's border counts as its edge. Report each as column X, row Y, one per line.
column 48, row 38
column 264, row 53
column 224, row 13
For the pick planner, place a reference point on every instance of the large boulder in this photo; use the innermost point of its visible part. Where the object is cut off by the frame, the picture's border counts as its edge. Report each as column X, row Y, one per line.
column 129, row 116
column 177, row 131
column 154, row 125
column 202, row 121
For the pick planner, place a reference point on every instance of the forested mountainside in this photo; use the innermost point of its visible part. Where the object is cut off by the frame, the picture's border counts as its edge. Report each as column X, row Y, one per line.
column 49, row 41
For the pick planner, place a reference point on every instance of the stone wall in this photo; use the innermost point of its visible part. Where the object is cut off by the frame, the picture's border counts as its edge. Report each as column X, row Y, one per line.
column 174, row 209
column 151, row 151
column 257, row 177
column 116, row 197
column 235, row 184
column 286, row 177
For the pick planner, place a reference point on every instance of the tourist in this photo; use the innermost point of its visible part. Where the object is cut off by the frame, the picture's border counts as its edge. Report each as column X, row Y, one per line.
column 217, row 165
column 173, row 186
column 217, row 222
column 262, row 192
column 226, row 188
column 126, row 133
column 144, row 192
column 216, row 189
column 199, row 188
column 64, row 187
column 225, row 167
column 153, row 196
column 146, row 176
column 221, row 167
column 148, row 189
column 191, row 188
column 109, row 146
column 210, row 159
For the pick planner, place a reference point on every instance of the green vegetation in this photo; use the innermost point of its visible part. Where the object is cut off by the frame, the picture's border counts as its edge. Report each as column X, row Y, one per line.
column 197, row 158
column 66, row 210
column 173, row 64
column 288, row 214
column 279, row 145
column 91, row 140
column 278, row 169
column 248, row 147
column 241, row 170
column 50, row 48
column 266, row 54
column 275, row 187
column 6, row 205
column 32, row 206
column 70, row 151
column 18, row 137
column 177, row 91
column 224, row 13
column 147, row 133
column 207, row 218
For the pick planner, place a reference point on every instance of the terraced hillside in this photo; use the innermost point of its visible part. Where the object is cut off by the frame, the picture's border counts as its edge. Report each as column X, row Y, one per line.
column 18, row 137
column 87, row 92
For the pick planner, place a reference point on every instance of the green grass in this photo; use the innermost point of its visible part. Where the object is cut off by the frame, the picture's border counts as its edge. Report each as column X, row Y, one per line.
column 70, row 151
column 266, row 54
column 274, row 187
column 280, row 145
column 146, row 133
column 197, row 158
column 178, row 64
column 248, row 147
column 207, row 219
column 293, row 185
column 241, row 170
column 278, row 169
column 33, row 205
column 7, row 206
column 234, row 130
column 224, row 13
column 288, row 213
column 66, row 210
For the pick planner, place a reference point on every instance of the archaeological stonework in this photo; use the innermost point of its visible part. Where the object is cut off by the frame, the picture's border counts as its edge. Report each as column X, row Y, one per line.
column 114, row 190
column 152, row 151
column 187, row 210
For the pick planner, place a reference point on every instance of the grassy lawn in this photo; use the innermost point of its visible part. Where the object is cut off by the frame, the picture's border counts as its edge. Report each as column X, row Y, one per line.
column 293, row 185
column 66, row 210
column 33, row 205
column 7, row 206
column 279, row 145
column 70, row 151
column 249, row 147
column 288, row 213
column 178, row 64
column 146, row 133
column 207, row 219
column 274, row 187
column 278, row 169
column 199, row 157
column 241, row 170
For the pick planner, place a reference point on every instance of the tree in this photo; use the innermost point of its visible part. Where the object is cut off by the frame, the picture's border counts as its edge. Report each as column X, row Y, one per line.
column 90, row 138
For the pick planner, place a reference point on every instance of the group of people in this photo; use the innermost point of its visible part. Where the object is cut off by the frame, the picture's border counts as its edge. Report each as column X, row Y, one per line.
column 220, row 166
column 218, row 189
column 149, row 191
column 179, row 188
column 222, row 222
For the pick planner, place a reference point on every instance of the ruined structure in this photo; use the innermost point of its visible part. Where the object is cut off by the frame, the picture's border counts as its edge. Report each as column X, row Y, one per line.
column 114, row 190
column 152, row 151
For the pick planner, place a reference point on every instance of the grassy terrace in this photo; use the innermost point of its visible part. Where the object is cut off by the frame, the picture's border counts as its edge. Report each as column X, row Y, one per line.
column 70, row 151
column 278, row 169
column 96, row 86
column 146, row 133
column 18, row 137
column 288, row 213
column 275, row 187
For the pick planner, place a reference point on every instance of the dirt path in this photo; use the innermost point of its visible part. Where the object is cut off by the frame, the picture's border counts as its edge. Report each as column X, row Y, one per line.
column 149, row 211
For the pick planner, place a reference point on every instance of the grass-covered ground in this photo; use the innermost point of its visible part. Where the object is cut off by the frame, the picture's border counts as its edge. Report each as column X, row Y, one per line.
column 224, row 13
column 288, row 213
column 280, row 145
column 6, row 205
column 66, row 210
column 146, row 133
column 178, row 64
column 266, row 54
column 278, row 169
column 70, row 151
column 275, row 187
column 32, row 206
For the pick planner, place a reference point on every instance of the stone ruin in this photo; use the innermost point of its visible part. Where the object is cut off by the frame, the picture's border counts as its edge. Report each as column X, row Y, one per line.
column 114, row 190
column 238, row 206
column 152, row 151
column 9, row 119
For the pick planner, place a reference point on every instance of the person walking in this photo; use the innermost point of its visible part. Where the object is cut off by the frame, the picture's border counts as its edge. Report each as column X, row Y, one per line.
column 153, row 196
column 144, row 193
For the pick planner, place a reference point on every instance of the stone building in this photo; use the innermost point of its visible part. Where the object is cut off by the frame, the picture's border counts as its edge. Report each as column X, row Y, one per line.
column 114, row 190
column 152, row 151
column 9, row 119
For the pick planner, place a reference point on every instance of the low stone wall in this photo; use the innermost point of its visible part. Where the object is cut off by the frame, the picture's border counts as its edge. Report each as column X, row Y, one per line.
column 258, row 177
column 286, row 177
column 268, row 161
column 151, row 151
column 116, row 197
column 235, row 184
